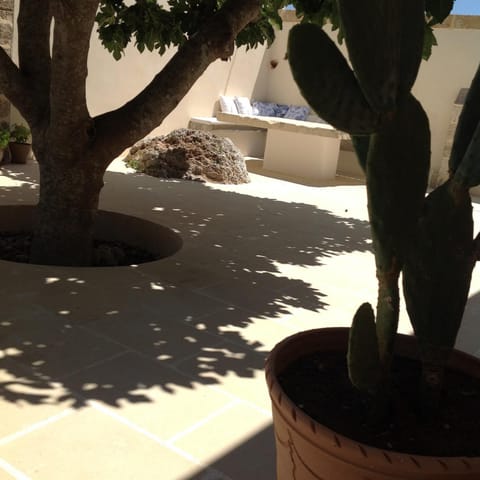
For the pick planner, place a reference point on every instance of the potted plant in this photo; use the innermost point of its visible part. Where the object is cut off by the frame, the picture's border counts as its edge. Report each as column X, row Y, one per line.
column 4, row 139
column 20, row 145
column 397, row 385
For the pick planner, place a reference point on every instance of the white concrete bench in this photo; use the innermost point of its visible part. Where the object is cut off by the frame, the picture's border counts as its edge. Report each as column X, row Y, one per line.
column 249, row 140
column 293, row 147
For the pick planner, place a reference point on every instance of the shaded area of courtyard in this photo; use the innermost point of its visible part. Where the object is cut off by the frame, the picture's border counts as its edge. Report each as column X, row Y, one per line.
column 72, row 335
column 159, row 368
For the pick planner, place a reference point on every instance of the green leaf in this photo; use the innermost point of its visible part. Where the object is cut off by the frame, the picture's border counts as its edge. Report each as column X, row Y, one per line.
column 439, row 10
column 429, row 41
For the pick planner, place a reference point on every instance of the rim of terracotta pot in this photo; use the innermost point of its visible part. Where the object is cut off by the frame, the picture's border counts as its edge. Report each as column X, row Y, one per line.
column 332, row 442
column 159, row 240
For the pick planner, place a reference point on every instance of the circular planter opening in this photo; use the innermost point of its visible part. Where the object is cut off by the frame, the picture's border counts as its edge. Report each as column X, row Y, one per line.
column 111, row 227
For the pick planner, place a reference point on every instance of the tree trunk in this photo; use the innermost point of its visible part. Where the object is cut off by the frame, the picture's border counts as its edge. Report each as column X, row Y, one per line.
column 69, row 195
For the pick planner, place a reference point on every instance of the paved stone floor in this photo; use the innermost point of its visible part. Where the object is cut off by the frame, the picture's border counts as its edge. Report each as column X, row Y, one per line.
column 156, row 372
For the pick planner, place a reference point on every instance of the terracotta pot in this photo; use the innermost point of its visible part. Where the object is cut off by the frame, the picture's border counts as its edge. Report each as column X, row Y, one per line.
column 307, row 450
column 20, row 152
column 5, row 155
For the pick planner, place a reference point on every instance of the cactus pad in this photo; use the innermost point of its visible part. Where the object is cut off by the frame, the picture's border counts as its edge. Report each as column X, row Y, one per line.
column 363, row 359
column 327, row 82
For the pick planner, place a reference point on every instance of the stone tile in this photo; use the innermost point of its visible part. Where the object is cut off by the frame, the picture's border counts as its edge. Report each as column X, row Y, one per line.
column 236, row 370
column 29, row 277
column 183, row 271
column 82, row 298
column 142, row 296
column 72, row 449
column 157, row 398
column 179, row 303
column 300, row 319
column 81, row 294
column 254, row 296
column 26, row 401
column 155, row 336
column 254, row 458
column 249, row 454
column 208, row 474
column 246, row 329
column 53, row 348
column 18, row 310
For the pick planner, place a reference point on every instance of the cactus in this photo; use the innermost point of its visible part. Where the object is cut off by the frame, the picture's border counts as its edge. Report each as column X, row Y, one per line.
column 326, row 75
column 363, row 356
column 429, row 238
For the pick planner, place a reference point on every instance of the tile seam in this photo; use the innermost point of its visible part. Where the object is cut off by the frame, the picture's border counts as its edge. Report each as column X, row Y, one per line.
column 178, row 436
column 11, row 470
column 35, row 426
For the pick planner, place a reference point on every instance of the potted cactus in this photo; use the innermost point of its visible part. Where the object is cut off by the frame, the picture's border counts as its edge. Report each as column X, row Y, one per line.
column 426, row 238
column 20, row 146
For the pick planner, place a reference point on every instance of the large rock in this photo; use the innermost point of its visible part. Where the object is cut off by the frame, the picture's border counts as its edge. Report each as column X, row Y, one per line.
column 189, row 155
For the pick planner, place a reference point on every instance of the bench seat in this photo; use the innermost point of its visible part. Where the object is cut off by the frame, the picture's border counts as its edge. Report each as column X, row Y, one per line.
column 295, row 147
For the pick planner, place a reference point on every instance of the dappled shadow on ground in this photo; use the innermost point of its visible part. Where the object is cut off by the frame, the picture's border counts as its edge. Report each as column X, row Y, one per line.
column 130, row 333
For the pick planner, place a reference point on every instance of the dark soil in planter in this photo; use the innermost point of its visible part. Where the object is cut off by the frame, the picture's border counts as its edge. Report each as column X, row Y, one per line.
column 15, row 247
column 318, row 384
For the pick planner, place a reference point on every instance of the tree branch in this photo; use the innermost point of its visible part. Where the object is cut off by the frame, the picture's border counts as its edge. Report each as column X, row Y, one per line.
column 34, row 21
column 71, row 42
column 118, row 129
column 15, row 86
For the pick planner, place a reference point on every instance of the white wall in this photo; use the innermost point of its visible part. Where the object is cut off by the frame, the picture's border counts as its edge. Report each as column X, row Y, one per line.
column 281, row 87
column 451, row 67
column 110, row 83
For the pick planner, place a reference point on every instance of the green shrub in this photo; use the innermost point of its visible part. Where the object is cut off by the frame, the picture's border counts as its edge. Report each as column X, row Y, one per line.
column 4, row 135
column 20, row 133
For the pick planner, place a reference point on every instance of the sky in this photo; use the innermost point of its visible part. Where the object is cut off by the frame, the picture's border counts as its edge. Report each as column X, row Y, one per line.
column 465, row 7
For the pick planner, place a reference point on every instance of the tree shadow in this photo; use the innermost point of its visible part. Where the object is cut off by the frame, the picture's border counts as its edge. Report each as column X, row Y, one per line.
column 116, row 334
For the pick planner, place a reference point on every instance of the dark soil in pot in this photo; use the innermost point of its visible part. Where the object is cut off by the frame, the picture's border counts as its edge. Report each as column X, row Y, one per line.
column 318, row 384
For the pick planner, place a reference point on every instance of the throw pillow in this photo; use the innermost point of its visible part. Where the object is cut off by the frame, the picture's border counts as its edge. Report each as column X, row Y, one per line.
column 296, row 112
column 265, row 109
column 280, row 110
column 244, row 106
column 227, row 104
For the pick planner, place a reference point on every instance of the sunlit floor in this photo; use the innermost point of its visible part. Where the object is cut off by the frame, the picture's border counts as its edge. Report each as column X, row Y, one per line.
column 156, row 372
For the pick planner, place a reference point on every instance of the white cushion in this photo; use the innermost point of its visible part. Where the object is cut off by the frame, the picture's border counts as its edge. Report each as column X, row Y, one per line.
column 244, row 106
column 227, row 104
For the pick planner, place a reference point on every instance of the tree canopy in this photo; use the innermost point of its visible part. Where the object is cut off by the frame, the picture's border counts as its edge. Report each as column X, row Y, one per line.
column 153, row 26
